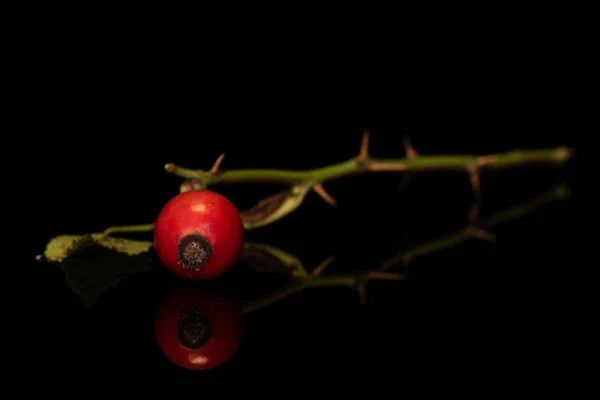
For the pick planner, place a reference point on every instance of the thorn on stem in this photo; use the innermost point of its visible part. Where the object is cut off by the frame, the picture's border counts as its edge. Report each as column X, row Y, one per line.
column 364, row 146
column 215, row 168
column 317, row 271
column 320, row 190
column 410, row 151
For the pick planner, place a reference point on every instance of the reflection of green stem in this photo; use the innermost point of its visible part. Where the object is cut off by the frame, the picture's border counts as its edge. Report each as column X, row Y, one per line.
column 296, row 286
column 301, row 282
column 558, row 193
column 446, row 241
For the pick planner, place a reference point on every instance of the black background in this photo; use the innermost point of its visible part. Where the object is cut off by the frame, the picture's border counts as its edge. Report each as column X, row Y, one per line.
column 108, row 117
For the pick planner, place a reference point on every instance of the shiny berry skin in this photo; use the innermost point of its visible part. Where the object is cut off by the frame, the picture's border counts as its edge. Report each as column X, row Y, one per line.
column 199, row 235
column 198, row 329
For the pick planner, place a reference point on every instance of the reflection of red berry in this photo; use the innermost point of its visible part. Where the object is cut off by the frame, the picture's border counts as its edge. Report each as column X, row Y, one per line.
column 198, row 329
column 199, row 234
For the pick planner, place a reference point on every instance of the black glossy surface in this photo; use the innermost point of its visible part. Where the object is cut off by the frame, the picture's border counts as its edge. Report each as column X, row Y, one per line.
column 474, row 308
column 99, row 108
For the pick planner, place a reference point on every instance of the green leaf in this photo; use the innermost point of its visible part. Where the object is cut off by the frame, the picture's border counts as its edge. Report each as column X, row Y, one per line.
column 63, row 246
column 274, row 207
column 93, row 263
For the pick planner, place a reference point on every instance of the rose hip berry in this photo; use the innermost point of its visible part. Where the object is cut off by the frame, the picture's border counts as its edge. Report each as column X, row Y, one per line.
column 199, row 235
column 198, row 329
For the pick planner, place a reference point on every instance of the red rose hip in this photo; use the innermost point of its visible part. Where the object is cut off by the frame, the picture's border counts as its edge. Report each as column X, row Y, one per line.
column 199, row 235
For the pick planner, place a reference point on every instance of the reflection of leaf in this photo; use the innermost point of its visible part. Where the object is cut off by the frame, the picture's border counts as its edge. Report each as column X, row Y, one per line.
column 266, row 258
column 94, row 269
column 61, row 247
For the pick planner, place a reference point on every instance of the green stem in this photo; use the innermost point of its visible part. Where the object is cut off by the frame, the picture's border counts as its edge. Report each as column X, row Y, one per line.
column 359, row 165
column 129, row 228
column 300, row 183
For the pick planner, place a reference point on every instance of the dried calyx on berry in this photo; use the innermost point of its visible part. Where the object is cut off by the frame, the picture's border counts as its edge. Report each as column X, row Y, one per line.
column 193, row 251
column 194, row 330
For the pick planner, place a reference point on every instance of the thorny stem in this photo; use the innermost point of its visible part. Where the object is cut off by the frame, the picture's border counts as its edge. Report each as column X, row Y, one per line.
column 278, row 206
column 299, row 284
column 305, row 280
column 295, row 287
column 361, row 164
